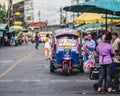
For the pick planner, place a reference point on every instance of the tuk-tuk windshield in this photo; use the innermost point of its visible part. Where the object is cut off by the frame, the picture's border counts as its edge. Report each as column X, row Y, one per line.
column 67, row 41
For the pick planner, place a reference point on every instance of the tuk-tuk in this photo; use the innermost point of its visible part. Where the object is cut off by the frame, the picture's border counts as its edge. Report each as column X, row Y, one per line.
column 66, row 51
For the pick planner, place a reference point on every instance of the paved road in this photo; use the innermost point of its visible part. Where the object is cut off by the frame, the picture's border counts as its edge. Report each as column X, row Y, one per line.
column 25, row 72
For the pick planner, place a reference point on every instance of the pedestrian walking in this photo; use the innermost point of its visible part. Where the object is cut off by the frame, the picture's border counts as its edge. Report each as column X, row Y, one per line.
column 105, row 50
column 36, row 41
column 5, row 41
column 16, row 40
column 47, row 47
column 26, row 39
column 12, row 42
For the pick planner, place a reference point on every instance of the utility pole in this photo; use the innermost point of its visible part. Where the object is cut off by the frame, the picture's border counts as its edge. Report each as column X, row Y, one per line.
column 9, row 12
column 39, row 15
column 76, row 2
column 60, row 15
column 66, row 16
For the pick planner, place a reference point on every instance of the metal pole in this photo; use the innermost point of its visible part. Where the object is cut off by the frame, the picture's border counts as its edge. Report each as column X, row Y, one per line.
column 78, row 12
column 8, row 12
column 46, row 10
column 106, row 20
column 66, row 16
column 60, row 15
column 77, row 2
column 39, row 15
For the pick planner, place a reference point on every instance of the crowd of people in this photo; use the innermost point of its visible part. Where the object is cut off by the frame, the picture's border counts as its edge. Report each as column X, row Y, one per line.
column 15, row 40
column 107, row 48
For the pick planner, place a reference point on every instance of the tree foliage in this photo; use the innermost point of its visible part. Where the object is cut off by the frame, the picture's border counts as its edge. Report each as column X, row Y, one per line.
column 2, row 13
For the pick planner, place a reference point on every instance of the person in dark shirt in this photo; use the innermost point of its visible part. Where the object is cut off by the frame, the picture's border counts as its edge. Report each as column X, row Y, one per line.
column 36, row 41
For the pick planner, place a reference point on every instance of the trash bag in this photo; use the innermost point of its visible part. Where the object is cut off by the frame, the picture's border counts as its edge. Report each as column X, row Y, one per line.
column 88, row 64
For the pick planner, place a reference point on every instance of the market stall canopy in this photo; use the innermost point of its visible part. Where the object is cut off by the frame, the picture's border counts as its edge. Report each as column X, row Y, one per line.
column 4, row 27
column 87, row 18
column 1, row 33
column 19, row 28
column 97, row 6
column 13, row 30
column 113, row 24
column 37, row 24
column 93, row 25
column 111, row 17
column 1, row 29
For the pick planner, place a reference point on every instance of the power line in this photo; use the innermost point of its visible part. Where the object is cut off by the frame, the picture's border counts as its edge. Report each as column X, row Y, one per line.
column 39, row 15
column 51, row 9
column 43, row 6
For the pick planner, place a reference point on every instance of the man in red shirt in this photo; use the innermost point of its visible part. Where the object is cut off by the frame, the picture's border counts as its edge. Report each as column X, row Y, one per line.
column 36, row 41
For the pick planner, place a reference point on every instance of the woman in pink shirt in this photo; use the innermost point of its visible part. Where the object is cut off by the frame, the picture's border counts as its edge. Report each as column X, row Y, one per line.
column 105, row 50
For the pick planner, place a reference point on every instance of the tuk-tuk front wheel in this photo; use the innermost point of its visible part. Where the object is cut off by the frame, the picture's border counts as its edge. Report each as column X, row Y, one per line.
column 52, row 67
column 66, row 69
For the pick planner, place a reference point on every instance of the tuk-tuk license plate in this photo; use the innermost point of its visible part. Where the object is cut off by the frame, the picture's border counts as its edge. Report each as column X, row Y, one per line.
column 67, row 47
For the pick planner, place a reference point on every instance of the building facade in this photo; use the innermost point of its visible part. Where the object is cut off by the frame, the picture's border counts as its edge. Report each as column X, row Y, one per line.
column 9, row 4
column 32, row 8
column 29, row 11
column 6, row 2
column 16, row 1
column 18, row 13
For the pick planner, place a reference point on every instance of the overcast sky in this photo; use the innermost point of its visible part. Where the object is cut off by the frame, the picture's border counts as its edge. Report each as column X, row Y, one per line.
column 49, row 10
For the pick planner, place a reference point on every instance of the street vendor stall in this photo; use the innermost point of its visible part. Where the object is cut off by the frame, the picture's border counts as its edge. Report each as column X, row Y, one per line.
column 2, row 33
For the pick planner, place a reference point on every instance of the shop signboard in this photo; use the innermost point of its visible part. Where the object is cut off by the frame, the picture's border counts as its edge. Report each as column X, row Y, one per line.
column 18, row 23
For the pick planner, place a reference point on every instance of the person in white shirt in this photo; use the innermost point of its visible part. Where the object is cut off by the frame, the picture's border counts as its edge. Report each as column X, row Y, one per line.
column 116, row 43
column 47, row 47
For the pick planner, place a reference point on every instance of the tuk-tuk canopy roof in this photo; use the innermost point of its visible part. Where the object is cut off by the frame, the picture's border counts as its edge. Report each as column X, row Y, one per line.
column 66, row 31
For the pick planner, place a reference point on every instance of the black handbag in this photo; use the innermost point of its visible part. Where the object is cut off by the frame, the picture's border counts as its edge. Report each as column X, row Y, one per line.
column 94, row 73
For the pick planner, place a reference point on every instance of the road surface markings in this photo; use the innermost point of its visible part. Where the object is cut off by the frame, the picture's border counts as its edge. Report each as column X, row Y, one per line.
column 47, row 81
column 6, row 61
column 15, row 64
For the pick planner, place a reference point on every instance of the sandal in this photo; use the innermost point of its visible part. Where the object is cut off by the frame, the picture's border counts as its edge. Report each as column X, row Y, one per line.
column 99, row 89
column 109, row 90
